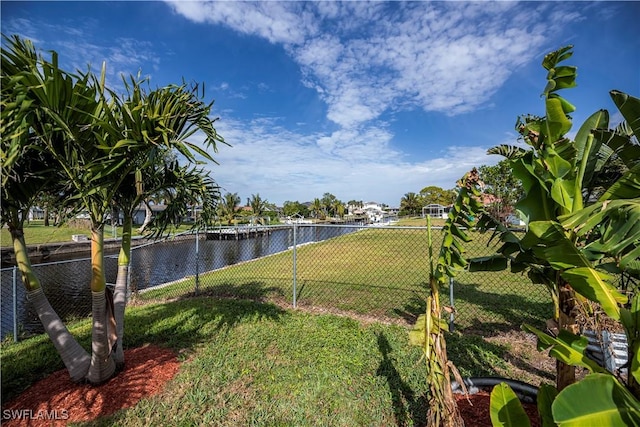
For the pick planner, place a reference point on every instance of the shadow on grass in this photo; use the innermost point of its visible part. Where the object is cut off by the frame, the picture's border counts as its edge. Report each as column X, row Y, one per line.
column 252, row 290
column 377, row 300
column 474, row 356
column 416, row 406
column 195, row 318
column 480, row 312
column 180, row 325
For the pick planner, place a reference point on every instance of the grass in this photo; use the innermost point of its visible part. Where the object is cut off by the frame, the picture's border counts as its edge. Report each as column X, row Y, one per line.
column 249, row 363
column 35, row 233
column 419, row 222
column 377, row 272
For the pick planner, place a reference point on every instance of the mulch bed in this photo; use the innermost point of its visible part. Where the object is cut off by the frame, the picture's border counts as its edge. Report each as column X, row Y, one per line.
column 56, row 401
column 475, row 411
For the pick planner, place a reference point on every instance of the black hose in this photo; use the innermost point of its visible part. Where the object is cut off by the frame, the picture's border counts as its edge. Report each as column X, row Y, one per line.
column 525, row 392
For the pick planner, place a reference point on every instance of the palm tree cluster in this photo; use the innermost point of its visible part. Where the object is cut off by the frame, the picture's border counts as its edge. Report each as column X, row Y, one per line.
column 87, row 148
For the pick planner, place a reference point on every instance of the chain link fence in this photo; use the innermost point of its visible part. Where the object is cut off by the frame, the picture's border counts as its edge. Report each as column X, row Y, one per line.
column 363, row 271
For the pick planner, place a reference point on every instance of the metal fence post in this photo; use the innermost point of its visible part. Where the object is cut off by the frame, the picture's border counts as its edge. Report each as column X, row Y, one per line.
column 295, row 254
column 197, row 261
column 15, row 303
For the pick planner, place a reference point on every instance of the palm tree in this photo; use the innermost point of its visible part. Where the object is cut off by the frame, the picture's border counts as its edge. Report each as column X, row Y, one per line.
column 316, row 208
column 94, row 166
column 156, row 172
column 327, row 201
column 81, row 130
column 410, row 203
column 257, row 205
column 228, row 207
column 338, row 208
column 28, row 171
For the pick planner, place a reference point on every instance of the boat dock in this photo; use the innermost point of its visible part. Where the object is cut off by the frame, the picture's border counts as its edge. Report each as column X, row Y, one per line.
column 237, row 233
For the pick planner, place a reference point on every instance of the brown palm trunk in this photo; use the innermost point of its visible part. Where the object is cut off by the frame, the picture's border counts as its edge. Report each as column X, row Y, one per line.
column 566, row 374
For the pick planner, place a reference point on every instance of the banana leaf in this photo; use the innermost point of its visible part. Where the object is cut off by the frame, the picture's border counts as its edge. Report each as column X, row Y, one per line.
column 629, row 106
column 506, row 409
column 627, row 187
column 597, row 400
column 546, row 395
column 567, row 348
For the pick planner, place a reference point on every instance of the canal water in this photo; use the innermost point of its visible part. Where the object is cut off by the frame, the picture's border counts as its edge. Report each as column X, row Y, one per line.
column 66, row 283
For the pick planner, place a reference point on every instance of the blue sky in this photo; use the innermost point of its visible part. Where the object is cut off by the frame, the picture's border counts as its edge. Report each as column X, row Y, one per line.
column 364, row 100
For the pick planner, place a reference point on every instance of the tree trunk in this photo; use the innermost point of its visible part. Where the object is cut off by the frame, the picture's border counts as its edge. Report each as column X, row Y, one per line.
column 148, row 215
column 443, row 408
column 74, row 357
column 102, row 365
column 566, row 374
column 633, row 349
column 120, row 292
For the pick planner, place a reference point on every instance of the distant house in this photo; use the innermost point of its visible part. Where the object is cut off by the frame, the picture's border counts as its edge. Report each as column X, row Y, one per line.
column 140, row 212
column 434, row 210
column 36, row 213
column 373, row 211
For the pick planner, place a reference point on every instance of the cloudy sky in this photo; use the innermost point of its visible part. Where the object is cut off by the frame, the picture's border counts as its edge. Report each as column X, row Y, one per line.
column 364, row 100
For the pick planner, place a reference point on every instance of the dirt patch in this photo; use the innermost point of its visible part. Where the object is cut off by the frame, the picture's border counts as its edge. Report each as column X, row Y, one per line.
column 525, row 362
column 56, row 401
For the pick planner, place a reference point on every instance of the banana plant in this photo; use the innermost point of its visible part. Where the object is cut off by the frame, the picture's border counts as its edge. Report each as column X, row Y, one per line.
column 428, row 332
column 569, row 237
column 557, row 173
column 589, row 248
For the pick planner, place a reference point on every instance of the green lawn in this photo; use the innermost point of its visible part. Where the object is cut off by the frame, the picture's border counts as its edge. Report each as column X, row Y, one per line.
column 375, row 272
column 35, row 233
column 419, row 222
column 248, row 363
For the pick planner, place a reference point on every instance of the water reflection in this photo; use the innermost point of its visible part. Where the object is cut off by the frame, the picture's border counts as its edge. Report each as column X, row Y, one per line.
column 66, row 284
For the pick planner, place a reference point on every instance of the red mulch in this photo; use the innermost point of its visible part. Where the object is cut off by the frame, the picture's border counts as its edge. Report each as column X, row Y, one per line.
column 55, row 400
column 477, row 413
column 147, row 369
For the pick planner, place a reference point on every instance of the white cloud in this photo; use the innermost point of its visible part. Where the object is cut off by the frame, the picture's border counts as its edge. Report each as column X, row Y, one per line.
column 278, row 22
column 282, row 165
column 367, row 60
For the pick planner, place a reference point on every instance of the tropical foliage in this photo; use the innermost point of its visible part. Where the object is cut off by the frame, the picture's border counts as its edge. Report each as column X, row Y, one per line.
column 506, row 189
column 228, row 207
column 437, row 195
column 575, row 245
column 67, row 134
column 410, row 204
